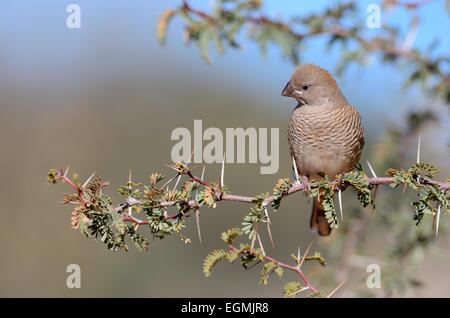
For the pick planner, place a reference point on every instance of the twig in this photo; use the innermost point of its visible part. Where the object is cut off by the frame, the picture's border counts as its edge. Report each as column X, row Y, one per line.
column 293, row 268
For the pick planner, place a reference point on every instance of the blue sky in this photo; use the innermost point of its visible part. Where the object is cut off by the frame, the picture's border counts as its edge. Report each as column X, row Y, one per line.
column 37, row 50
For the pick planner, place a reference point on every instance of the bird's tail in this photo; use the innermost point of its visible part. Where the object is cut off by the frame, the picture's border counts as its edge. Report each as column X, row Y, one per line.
column 318, row 220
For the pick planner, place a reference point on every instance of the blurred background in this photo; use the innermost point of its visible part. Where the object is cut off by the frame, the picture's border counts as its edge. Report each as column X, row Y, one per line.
column 106, row 98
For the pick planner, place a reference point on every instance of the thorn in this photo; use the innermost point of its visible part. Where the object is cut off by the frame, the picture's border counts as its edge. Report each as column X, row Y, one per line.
column 197, row 220
column 170, row 166
column 304, row 256
column 371, row 169
column 88, row 180
column 297, row 179
column 190, row 157
column 253, row 242
column 254, row 237
column 438, row 216
column 222, row 174
column 266, row 212
column 335, row 290
column 203, row 172
column 298, row 254
column 302, row 289
column 170, row 180
column 268, row 226
column 418, row 147
column 411, row 36
column 130, row 210
column 176, row 183
column 67, row 171
column 260, row 244
column 196, row 191
column 340, row 204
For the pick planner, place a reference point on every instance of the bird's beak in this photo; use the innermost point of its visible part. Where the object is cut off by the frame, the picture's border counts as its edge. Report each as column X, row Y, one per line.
column 287, row 90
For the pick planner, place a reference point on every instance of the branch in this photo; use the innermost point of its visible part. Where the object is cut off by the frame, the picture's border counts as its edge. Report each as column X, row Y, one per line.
column 297, row 187
column 222, row 25
column 294, row 268
column 95, row 214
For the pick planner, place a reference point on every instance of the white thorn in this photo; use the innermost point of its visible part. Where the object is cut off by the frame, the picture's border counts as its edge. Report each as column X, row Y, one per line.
column 335, row 290
column 190, row 157
column 222, row 173
column 438, row 216
column 340, row 204
column 304, row 256
column 266, row 212
column 418, row 147
column 88, row 180
column 196, row 191
column 197, row 219
column 297, row 179
column 253, row 241
column 269, row 231
column 203, row 172
column 169, row 181
column 130, row 210
column 67, row 171
column 303, row 289
column 260, row 244
column 371, row 169
column 176, row 183
column 411, row 35
column 298, row 253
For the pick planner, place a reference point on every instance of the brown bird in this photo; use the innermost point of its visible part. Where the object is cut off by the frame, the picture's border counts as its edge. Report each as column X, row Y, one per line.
column 325, row 133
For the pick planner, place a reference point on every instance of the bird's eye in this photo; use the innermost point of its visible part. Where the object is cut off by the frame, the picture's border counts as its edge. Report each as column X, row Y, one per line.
column 305, row 87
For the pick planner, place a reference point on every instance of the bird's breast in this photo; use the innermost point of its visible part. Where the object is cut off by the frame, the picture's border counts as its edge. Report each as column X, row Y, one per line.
column 325, row 140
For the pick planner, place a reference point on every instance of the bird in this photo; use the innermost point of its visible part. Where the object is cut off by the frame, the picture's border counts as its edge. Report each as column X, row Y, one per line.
column 325, row 132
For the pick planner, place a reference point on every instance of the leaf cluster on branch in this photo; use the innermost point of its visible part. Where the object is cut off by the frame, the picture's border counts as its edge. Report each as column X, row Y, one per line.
column 341, row 25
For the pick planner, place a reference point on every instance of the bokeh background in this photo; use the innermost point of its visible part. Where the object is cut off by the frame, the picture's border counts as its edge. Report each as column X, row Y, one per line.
column 106, row 97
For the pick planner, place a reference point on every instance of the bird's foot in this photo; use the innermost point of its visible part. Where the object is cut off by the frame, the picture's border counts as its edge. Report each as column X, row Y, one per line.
column 306, row 187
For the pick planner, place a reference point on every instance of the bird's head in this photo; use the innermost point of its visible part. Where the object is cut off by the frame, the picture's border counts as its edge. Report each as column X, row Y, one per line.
column 313, row 85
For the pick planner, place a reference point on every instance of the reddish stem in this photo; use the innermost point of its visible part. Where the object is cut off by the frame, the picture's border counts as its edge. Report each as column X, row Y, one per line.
column 72, row 184
column 293, row 268
column 129, row 218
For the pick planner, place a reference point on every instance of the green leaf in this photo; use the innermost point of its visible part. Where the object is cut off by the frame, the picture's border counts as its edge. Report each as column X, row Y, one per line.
column 203, row 45
column 230, row 235
column 279, row 271
column 212, row 260
column 267, row 269
column 291, row 289
column 316, row 257
column 155, row 178
column 280, row 190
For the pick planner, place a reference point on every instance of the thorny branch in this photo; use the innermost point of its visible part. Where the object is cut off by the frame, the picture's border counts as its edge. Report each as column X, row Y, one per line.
column 294, row 268
column 222, row 25
column 297, row 187
column 91, row 201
